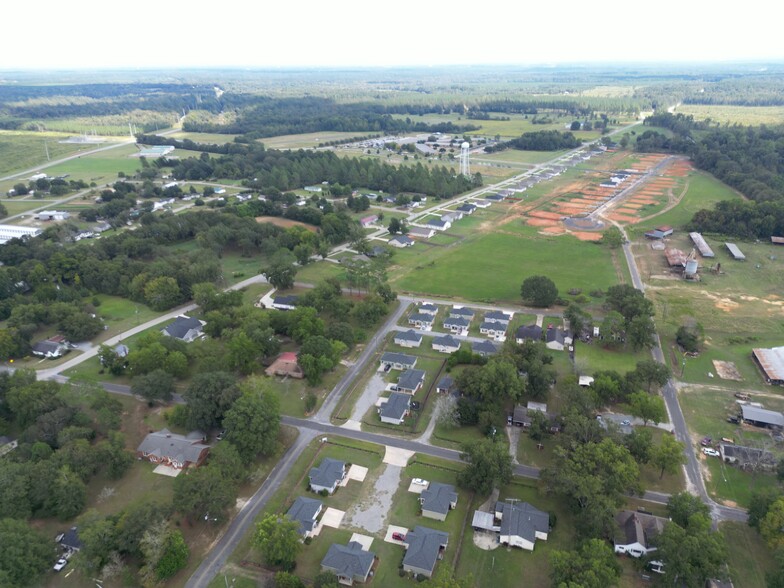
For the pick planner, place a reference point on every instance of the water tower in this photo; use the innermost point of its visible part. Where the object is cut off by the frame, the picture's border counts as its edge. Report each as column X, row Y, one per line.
column 464, row 159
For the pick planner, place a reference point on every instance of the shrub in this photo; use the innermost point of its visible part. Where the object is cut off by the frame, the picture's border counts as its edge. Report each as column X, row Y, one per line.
column 323, row 492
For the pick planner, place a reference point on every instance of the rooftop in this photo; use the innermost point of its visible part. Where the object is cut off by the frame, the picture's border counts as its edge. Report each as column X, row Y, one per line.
column 409, row 335
column 182, row 324
column 304, row 511
column 401, row 358
column 180, row 448
column 327, row 473
column 411, row 379
column 396, row 406
column 762, row 415
column 522, row 519
column 423, row 545
column 438, row 497
column 349, row 560
column 447, row 341
column 772, row 361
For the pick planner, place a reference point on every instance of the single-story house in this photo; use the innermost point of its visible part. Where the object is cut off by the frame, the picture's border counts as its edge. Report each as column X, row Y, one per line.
column 378, row 251
column 461, row 312
column 424, row 547
column 395, row 409
column 556, row 339
column 635, row 532
column 494, row 198
column 446, row 344
column 428, row 308
column 51, row 349
column 497, row 316
column 421, row 232
column 437, row 500
column 456, row 325
column 185, row 328
column 528, row 333
column 411, row 380
column 771, row 362
column 173, row 450
column 438, row 224
column 493, row 329
column 451, row 217
column 368, row 220
column 481, row 203
column 351, row 563
column 466, row 208
column 288, row 302
column 121, row 350
column 521, row 524
column 445, row 385
column 286, row 364
column 484, row 348
column 521, row 417
column 398, row 361
column 401, row 241
column 421, row 320
column 408, row 338
column 70, row 540
column 659, row 232
column 305, row 511
column 761, row 417
column 747, row 457
column 327, row 475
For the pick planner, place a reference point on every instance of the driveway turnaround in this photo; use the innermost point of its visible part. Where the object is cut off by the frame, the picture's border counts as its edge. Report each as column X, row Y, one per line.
column 397, row 456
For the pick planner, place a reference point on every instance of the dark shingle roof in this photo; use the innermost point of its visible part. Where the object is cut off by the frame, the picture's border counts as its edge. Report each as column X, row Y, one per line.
column 402, row 239
column 180, row 327
column 493, row 326
column 409, row 335
column 176, row 447
column 327, row 472
column 304, row 511
column 523, row 520
column 348, row 560
column 445, row 383
column 456, row 322
column 71, row 539
column 421, row 317
column 496, row 316
column 447, row 340
column 529, row 332
column 396, row 406
column 554, row 335
column 289, row 300
column 484, row 348
column 46, row 347
column 401, row 358
column 438, row 497
column 637, row 527
column 464, row 312
column 410, row 379
column 423, row 547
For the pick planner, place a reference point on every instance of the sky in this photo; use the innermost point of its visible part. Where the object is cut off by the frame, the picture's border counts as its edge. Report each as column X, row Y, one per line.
column 98, row 34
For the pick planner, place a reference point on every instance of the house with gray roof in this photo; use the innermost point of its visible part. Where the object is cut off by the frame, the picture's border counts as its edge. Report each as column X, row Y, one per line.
column 424, row 547
column 528, row 333
column 466, row 208
column 401, row 241
column 421, row 320
column 494, row 197
column 398, row 361
column 521, row 524
column 305, row 511
column 177, row 451
column 184, row 328
column 288, row 302
column 493, row 329
column 462, row 312
column 428, row 308
column 484, row 348
column 70, row 540
column 556, row 339
column 327, row 475
column 411, row 381
column 395, row 409
column 50, row 349
column 635, row 532
column 351, row 563
column 445, row 384
column 421, row 232
column 446, row 344
column 408, row 338
column 439, row 224
column 452, row 217
column 438, row 500
column 497, row 316
column 761, row 417
column 456, row 325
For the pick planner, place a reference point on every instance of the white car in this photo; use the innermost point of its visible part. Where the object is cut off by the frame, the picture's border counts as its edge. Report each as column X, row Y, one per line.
column 419, row 482
column 61, row 563
column 710, row 451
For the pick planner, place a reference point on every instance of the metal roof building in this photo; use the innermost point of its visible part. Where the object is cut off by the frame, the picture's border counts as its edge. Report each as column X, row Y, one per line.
column 735, row 252
column 761, row 416
column 771, row 362
column 701, row 245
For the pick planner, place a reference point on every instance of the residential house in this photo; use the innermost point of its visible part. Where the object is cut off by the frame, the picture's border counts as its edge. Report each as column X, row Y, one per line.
column 398, row 361
column 286, row 364
column 305, row 511
column 395, row 409
column 484, row 348
column 70, row 540
column 378, row 251
column 411, row 381
column 556, row 339
column 493, row 329
column 446, row 344
column 173, row 450
column 636, row 531
column 437, row 500
column 497, row 316
column 51, row 348
column 761, row 417
column 445, row 385
column 659, row 232
column 438, row 224
column 462, row 312
column 185, row 328
column 408, row 338
column 327, row 475
column 452, row 217
column 521, row 417
column 494, row 198
column 288, row 302
column 456, row 325
column 421, row 320
column 421, row 232
column 428, row 308
column 424, row 547
column 351, row 563
column 480, row 203
column 521, row 524
column 401, row 241
column 528, row 333
column 747, row 458
column 466, row 208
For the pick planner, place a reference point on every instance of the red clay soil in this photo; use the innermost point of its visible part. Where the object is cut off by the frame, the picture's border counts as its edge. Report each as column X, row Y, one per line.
column 622, row 218
column 539, row 222
column 553, row 231
column 544, row 214
column 583, row 236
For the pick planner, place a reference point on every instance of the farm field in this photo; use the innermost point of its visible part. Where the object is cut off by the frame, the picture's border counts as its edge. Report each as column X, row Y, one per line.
column 208, row 138
column 726, row 113
column 20, row 150
column 516, row 156
column 308, row 140
column 101, row 167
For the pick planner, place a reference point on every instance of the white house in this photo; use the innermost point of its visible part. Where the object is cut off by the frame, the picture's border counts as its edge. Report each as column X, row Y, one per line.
column 446, row 344
column 635, row 532
column 327, row 475
column 521, row 524
column 408, row 338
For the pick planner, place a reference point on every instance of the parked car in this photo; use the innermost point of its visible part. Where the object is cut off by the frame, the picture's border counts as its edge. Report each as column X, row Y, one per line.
column 61, row 563
column 706, row 441
column 398, row 537
column 742, row 396
column 626, row 423
column 710, row 451
column 509, row 420
column 733, row 419
column 387, row 367
column 419, row 482
column 415, row 405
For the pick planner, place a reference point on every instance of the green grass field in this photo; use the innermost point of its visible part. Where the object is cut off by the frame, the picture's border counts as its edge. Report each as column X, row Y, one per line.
column 207, row 138
column 726, row 113
column 307, row 140
column 748, row 556
column 101, row 167
column 594, row 357
column 20, row 150
column 491, row 267
column 516, row 156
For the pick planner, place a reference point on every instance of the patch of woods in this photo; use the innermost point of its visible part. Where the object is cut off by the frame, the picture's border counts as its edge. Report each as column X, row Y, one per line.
column 538, row 141
column 766, row 515
column 749, row 159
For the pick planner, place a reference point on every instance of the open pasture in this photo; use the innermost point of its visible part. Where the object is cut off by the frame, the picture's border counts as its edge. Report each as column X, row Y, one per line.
column 21, row 150
column 731, row 114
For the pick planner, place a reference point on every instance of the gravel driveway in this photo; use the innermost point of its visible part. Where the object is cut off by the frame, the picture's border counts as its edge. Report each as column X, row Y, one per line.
column 371, row 510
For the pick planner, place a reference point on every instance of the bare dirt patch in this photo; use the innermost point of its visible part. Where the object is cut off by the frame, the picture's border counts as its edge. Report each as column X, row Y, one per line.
column 583, row 236
column 485, row 540
column 727, row 370
column 284, row 222
column 543, row 214
column 539, row 222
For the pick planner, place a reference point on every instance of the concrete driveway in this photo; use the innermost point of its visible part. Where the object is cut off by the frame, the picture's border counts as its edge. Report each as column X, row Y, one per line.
column 395, row 529
column 397, row 456
column 364, row 540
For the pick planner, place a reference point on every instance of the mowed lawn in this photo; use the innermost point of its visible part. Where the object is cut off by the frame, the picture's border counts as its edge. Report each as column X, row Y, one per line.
column 491, row 267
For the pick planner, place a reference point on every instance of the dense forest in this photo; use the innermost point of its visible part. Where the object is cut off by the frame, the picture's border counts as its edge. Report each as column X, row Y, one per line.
column 288, row 170
column 750, row 159
column 538, row 141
